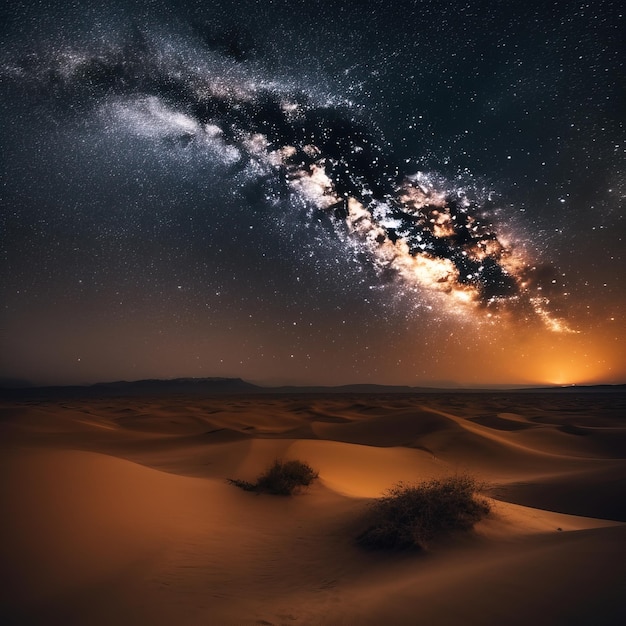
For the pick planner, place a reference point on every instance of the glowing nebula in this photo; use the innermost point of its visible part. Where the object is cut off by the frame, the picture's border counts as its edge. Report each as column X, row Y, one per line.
column 441, row 240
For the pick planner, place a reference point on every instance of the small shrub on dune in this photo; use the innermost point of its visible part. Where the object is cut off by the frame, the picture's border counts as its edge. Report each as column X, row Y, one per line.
column 411, row 516
column 283, row 478
column 242, row 484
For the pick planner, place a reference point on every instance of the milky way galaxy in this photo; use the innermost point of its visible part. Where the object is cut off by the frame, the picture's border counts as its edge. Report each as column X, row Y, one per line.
column 237, row 148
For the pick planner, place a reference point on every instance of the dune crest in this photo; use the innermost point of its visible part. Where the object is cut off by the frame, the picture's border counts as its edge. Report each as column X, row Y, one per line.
column 118, row 511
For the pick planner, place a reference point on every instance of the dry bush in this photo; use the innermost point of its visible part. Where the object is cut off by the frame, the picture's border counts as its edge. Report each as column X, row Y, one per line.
column 283, row 478
column 410, row 516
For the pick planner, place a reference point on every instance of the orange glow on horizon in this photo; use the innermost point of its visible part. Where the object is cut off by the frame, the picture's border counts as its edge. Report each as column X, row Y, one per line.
column 571, row 364
column 509, row 354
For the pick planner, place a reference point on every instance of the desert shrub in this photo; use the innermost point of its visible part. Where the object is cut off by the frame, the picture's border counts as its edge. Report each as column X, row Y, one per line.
column 242, row 484
column 283, row 478
column 410, row 516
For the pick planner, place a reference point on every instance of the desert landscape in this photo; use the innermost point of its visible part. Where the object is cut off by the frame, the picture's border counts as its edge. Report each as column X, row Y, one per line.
column 118, row 509
column 312, row 313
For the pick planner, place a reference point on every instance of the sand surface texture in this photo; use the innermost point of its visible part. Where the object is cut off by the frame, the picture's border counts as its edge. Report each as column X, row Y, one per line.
column 117, row 511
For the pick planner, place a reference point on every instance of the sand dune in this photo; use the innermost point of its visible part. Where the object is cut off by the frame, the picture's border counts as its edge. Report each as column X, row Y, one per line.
column 118, row 511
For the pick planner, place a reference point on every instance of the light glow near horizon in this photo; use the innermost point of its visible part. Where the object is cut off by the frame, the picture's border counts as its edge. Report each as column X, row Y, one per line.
column 184, row 200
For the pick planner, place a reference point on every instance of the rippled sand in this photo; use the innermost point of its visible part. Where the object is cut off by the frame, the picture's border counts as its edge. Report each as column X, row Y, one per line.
column 117, row 511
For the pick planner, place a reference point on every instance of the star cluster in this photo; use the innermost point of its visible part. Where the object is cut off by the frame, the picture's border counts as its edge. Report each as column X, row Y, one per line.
column 290, row 189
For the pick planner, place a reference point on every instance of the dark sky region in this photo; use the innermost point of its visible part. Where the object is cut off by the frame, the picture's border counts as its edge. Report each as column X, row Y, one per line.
column 424, row 193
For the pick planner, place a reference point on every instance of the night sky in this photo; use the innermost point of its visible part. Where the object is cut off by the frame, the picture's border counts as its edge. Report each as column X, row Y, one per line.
column 313, row 192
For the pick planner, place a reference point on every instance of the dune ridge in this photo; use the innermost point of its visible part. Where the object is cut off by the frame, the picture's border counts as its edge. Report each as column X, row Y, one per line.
column 117, row 511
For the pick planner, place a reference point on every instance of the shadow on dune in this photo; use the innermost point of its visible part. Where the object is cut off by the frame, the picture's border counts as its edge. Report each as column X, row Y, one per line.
column 595, row 492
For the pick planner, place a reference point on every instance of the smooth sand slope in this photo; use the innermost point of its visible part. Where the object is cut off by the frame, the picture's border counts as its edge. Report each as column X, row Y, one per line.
column 117, row 511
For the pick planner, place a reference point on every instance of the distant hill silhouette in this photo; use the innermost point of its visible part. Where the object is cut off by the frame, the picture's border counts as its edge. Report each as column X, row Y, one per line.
column 204, row 386
column 237, row 386
column 178, row 385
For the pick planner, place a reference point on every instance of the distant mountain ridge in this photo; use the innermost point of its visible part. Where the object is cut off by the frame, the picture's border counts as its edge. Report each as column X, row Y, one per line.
column 219, row 385
column 192, row 384
column 150, row 386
